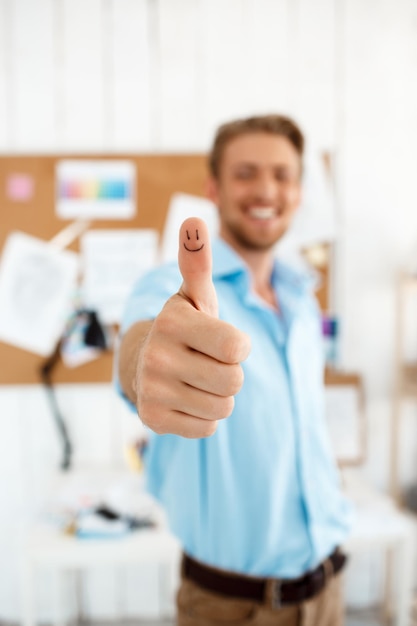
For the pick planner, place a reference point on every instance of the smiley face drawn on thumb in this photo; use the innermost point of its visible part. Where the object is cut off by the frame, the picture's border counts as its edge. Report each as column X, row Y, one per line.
column 193, row 241
column 195, row 263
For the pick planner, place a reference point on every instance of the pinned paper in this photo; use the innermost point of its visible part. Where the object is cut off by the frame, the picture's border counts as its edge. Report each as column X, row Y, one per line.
column 19, row 187
column 112, row 261
column 37, row 281
column 95, row 189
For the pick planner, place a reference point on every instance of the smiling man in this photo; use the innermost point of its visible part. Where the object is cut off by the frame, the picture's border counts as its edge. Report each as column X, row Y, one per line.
column 222, row 358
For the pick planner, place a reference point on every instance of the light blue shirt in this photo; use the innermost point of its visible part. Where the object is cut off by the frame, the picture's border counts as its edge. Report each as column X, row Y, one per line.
column 260, row 496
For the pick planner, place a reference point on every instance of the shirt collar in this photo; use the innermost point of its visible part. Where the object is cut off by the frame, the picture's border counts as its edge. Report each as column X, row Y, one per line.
column 227, row 263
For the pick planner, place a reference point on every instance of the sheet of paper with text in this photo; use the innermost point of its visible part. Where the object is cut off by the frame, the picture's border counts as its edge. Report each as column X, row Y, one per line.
column 112, row 260
column 37, row 284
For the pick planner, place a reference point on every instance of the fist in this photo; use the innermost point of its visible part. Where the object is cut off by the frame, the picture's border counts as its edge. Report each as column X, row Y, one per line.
column 188, row 369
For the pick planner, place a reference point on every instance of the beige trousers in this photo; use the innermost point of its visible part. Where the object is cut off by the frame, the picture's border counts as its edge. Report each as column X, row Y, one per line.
column 199, row 607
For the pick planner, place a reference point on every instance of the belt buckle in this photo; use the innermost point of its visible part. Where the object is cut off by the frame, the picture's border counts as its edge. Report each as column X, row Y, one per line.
column 276, row 593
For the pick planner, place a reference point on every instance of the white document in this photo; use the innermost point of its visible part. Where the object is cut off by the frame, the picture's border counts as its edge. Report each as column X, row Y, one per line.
column 182, row 206
column 37, row 282
column 344, row 417
column 112, row 261
column 315, row 219
column 95, row 189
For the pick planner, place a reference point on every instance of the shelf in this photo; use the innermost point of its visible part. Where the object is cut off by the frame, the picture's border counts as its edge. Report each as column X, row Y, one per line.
column 409, row 281
column 406, row 377
column 407, row 386
column 340, row 377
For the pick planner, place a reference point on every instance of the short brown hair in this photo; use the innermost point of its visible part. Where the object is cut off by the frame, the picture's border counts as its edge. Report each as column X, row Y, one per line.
column 273, row 124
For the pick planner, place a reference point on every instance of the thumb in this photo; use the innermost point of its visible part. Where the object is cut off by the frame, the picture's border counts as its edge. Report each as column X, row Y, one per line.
column 195, row 263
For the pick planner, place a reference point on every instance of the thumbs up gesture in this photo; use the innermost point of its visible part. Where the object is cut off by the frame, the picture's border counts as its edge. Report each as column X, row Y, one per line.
column 188, row 368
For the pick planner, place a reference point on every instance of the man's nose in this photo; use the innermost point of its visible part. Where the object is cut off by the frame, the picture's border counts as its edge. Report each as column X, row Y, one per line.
column 266, row 188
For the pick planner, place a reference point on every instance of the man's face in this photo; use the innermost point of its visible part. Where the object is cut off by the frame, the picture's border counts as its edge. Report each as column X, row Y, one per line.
column 258, row 190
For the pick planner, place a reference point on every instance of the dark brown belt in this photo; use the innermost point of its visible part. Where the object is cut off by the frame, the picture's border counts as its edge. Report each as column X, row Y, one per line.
column 274, row 591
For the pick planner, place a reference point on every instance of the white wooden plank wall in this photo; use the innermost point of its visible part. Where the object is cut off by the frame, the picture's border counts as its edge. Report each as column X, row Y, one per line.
column 378, row 206
column 159, row 75
column 130, row 88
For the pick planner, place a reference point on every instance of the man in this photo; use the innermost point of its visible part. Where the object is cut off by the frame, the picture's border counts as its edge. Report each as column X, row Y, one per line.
column 227, row 373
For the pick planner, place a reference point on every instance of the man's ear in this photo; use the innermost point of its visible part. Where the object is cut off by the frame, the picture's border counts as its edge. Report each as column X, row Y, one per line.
column 212, row 192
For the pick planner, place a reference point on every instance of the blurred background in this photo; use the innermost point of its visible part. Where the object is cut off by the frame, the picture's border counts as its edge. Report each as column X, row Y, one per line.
column 156, row 77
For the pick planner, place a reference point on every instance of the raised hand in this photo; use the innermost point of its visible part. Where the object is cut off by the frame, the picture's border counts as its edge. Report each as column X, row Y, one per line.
column 188, row 368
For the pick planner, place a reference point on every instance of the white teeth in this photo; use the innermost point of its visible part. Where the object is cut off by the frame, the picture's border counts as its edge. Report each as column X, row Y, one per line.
column 262, row 213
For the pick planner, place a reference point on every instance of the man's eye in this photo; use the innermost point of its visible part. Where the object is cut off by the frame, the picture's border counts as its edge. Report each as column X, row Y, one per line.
column 245, row 174
column 282, row 176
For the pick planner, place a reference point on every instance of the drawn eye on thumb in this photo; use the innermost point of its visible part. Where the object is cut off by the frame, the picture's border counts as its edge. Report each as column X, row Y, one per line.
column 194, row 243
column 196, row 269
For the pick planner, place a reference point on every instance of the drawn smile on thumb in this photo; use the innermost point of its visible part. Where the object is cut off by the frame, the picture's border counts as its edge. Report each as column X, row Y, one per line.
column 189, row 237
column 196, row 269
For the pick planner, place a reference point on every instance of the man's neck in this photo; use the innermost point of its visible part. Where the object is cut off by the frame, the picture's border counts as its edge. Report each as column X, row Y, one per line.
column 260, row 264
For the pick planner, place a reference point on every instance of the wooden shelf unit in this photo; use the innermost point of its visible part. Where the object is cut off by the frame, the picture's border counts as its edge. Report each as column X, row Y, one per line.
column 405, row 384
column 341, row 378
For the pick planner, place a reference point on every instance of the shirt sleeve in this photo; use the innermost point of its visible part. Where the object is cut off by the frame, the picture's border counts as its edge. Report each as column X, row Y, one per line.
column 145, row 302
column 149, row 295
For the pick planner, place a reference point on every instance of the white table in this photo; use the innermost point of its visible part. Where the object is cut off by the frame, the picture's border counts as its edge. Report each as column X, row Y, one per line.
column 48, row 547
column 381, row 525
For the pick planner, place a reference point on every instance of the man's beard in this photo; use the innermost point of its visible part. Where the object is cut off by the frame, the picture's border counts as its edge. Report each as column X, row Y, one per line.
column 245, row 241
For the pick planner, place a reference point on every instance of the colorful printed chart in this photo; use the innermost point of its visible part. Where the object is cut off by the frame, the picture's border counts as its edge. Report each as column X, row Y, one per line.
column 95, row 189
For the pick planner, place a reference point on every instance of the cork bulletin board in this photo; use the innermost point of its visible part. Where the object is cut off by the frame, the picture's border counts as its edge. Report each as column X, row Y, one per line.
column 158, row 176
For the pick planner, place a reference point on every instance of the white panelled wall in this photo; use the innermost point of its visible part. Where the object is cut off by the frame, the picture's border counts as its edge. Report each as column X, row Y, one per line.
column 159, row 75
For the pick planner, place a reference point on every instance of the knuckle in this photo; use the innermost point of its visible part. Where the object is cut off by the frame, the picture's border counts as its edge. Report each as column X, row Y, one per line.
column 236, row 346
column 159, row 424
column 230, row 349
column 200, row 430
column 169, row 325
column 229, row 380
column 166, row 323
column 227, row 407
column 147, row 416
column 208, row 429
column 155, row 361
column 146, row 390
column 234, row 380
column 159, row 428
column 149, row 360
